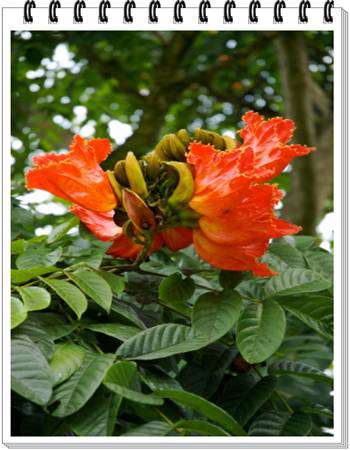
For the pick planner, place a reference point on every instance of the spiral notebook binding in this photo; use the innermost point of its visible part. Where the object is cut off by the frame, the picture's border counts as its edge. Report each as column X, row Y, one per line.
column 129, row 5
column 277, row 11
column 27, row 11
column 327, row 16
column 152, row 11
column 77, row 15
column 229, row 5
column 179, row 4
column 53, row 6
column 253, row 6
column 202, row 11
column 303, row 6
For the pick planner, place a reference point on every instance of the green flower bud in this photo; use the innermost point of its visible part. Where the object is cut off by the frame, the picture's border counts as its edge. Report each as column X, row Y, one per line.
column 115, row 185
column 135, row 176
column 171, row 148
column 120, row 173
column 152, row 164
column 184, row 136
column 183, row 192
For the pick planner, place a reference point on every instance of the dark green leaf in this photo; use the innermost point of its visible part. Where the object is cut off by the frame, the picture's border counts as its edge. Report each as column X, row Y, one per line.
column 153, row 428
column 278, row 423
column 116, row 330
column 260, row 330
column 299, row 369
column 70, row 294
column 205, row 408
column 200, row 427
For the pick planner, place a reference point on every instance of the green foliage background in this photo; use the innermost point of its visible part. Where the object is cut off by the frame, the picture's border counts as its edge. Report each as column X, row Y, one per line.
column 174, row 347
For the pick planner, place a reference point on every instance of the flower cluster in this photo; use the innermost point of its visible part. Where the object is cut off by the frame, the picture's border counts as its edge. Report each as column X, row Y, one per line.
column 207, row 190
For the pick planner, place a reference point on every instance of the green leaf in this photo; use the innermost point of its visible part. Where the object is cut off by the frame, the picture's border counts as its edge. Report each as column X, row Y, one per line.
column 38, row 257
column 201, row 427
column 61, row 230
column 278, row 423
column 295, row 281
column 176, row 290
column 260, row 330
column 116, row 282
column 54, row 326
column 282, row 256
column 229, row 279
column 67, row 358
column 94, row 286
column 161, row 341
column 18, row 246
column 18, row 312
column 254, row 399
column 70, row 294
column 98, row 416
column 205, row 408
column 315, row 310
column 214, row 314
column 122, row 309
column 122, row 378
column 153, row 428
column 22, row 276
column 31, row 375
column 35, row 298
column 320, row 261
column 319, row 410
column 115, row 330
column 76, row 391
column 299, row 369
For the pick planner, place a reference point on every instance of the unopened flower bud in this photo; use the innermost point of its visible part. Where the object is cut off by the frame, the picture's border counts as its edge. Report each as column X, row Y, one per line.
column 120, row 173
column 210, row 137
column 138, row 212
column 171, row 148
column 115, row 185
column 184, row 136
column 230, row 142
column 152, row 164
column 135, row 176
column 183, row 192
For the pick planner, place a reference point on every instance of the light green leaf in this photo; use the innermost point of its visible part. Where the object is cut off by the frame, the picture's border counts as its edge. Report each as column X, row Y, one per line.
column 205, row 408
column 116, row 282
column 278, row 423
column 161, row 341
column 260, row 330
column 22, row 276
column 33, row 258
column 18, row 246
column 62, row 229
column 94, row 286
column 200, row 427
column 18, row 312
column 35, row 298
column 31, row 375
column 214, row 314
column 67, row 358
column 70, row 294
column 299, row 369
column 123, row 379
column 98, row 416
column 115, row 330
column 295, row 281
column 76, row 391
column 314, row 310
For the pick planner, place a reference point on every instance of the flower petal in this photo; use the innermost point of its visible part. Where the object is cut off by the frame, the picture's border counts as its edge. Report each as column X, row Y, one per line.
column 177, row 238
column 125, row 247
column 74, row 176
column 232, row 257
column 100, row 224
column 268, row 139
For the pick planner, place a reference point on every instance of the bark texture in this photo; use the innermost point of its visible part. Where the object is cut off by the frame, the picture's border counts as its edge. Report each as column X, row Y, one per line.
column 308, row 106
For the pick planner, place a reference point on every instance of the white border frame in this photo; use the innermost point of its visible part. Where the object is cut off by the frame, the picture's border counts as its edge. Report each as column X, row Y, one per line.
column 12, row 20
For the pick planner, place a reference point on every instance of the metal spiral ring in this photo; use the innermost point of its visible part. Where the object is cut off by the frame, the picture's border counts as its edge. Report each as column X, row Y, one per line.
column 253, row 6
column 229, row 5
column 277, row 11
column 78, row 6
column 327, row 10
column 204, row 4
column 303, row 6
column 179, row 4
column 27, row 11
column 53, row 6
column 152, row 11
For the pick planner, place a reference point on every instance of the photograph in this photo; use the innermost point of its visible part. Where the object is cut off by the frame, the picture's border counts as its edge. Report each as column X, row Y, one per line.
column 172, row 233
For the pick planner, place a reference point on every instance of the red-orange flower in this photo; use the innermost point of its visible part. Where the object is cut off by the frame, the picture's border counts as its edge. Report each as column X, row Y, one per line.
column 237, row 210
column 76, row 176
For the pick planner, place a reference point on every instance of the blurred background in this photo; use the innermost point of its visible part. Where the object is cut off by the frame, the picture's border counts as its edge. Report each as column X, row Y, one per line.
column 133, row 87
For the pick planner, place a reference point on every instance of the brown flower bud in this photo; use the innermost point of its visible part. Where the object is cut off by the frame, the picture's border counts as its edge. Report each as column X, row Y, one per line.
column 139, row 213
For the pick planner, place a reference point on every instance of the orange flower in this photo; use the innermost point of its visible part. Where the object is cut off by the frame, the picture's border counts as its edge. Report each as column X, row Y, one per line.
column 76, row 176
column 237, row 211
